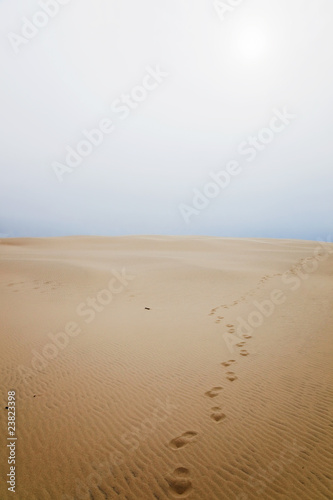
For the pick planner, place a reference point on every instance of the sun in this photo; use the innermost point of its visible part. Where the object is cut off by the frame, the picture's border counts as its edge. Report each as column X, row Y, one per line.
column 251, row 43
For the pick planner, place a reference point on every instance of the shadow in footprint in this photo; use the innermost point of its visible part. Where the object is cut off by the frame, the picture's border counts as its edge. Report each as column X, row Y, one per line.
column 217, row 414
column 228, row 363
column 183, row 440
column 213, row 392
column 179, row 482
column 231, row 376
column 243, row 352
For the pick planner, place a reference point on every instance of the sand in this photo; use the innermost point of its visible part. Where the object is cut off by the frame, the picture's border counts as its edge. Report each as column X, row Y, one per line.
column 167, row 367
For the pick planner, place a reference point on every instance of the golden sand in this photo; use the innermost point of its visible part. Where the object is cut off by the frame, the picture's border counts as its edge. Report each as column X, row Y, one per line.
column 167, row 367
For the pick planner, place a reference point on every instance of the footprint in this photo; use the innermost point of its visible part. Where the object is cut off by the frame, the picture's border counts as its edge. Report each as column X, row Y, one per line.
column 247, row 336
column 230, row 326
column 231, row 330
column 213, row 392
column 220, row 317
column 240, row 344
column 217, row 414
column 243, row 352
column 182, row 440
column 179, row 482
column 228, row 363
column 231, row 376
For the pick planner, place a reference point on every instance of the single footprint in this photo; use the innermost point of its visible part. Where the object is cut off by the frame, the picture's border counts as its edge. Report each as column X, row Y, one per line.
column 240, row 344
column 231, row 330
column 220, row 317
column 182, row 440
column 217, row 414
column 230, row 326
column 213, row 392
column 231, row 376
column 243, row 352
column 247, row 336
column 228, row 363
column 179, row 482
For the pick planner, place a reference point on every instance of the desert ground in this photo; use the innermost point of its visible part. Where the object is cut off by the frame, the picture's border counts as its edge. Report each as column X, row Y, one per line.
column 164, row 367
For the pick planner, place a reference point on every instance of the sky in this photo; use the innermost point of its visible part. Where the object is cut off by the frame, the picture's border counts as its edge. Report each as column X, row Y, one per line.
column 181, row 117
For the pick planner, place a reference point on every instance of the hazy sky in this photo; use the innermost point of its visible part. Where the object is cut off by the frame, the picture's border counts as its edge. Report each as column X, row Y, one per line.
column 184, row 91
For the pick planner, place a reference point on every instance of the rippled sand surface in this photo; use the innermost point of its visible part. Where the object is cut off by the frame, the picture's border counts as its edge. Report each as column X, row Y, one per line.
column 156, row 368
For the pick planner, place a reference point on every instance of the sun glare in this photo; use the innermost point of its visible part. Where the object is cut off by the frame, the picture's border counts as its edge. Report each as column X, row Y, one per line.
column 252, row 43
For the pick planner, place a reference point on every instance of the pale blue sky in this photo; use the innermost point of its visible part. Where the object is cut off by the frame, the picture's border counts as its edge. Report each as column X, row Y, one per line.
column 208, row 80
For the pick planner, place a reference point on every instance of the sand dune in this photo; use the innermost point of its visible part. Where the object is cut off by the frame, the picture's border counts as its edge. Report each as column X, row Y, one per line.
column 167, row 367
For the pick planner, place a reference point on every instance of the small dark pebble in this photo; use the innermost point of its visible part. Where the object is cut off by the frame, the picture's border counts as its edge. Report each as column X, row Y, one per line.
column 148, row 308
column 34, row 395
column 6, row 407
